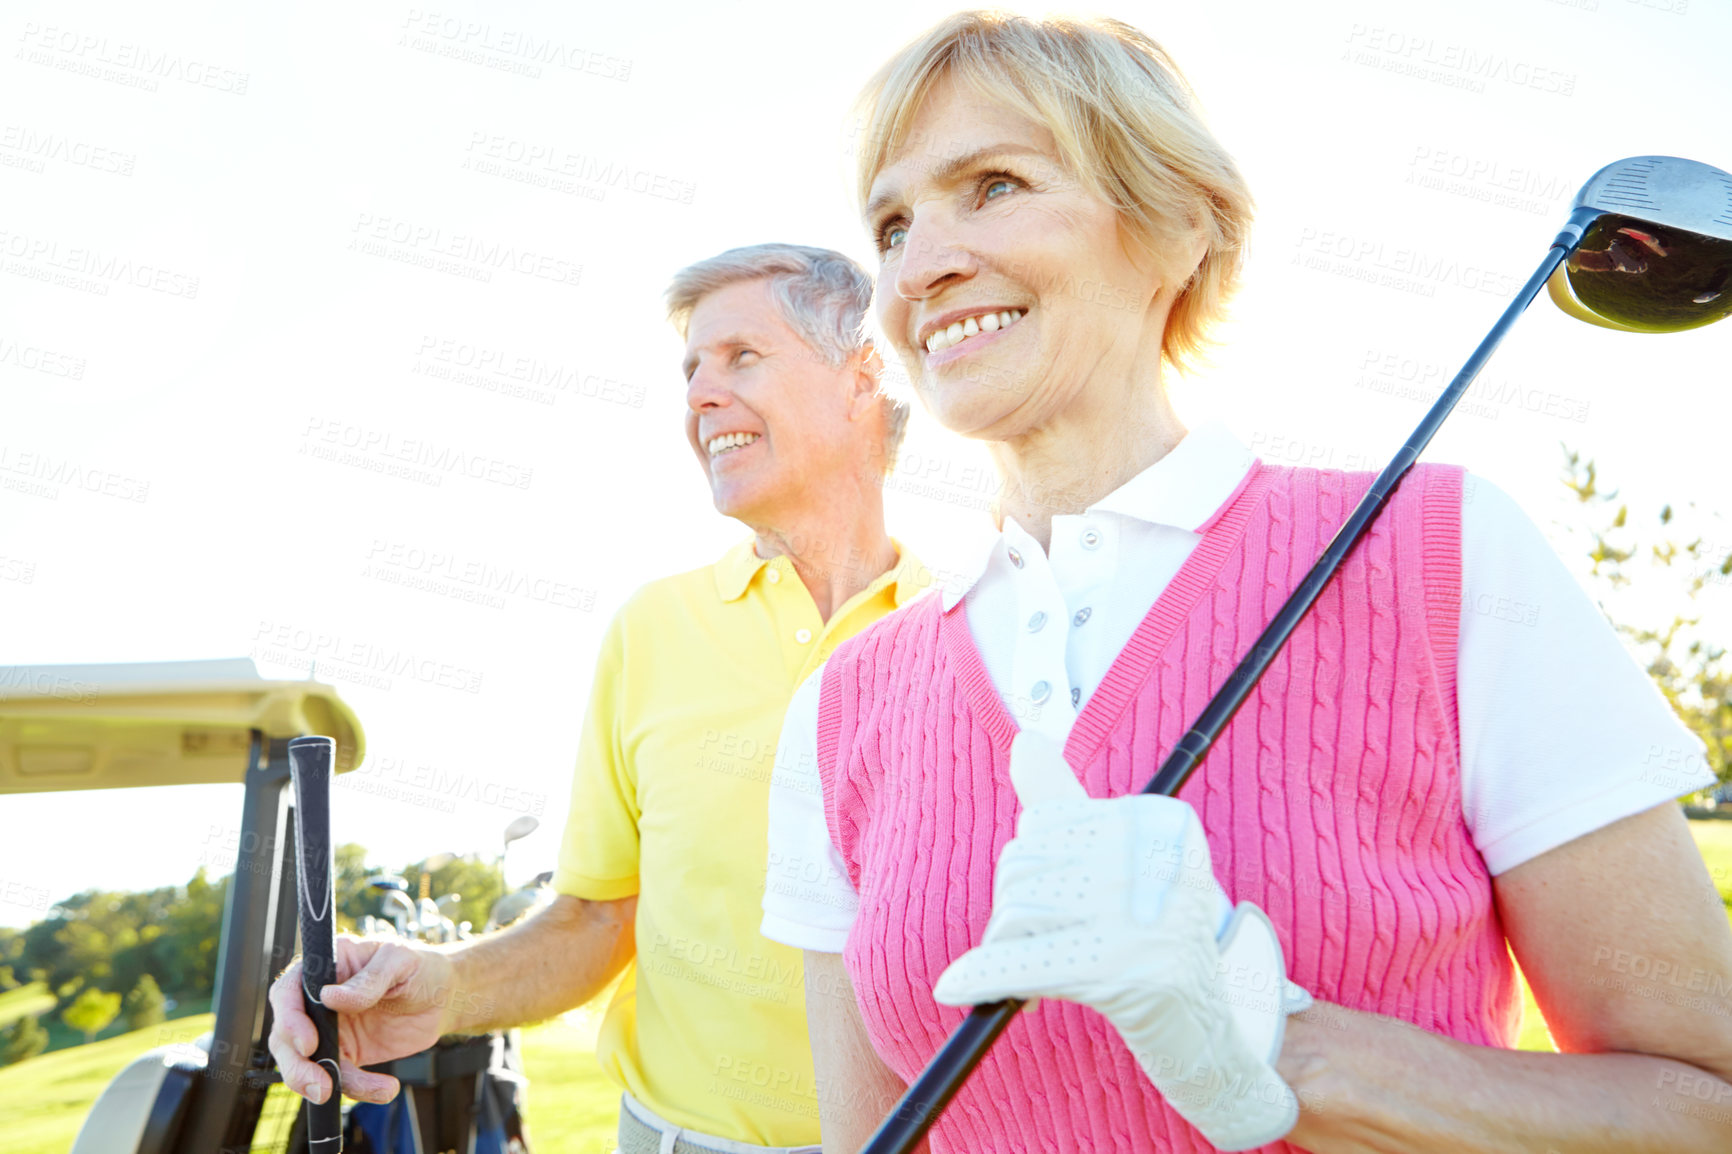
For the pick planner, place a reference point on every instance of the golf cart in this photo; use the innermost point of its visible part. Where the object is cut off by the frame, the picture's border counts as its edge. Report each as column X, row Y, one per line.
column 72, row 727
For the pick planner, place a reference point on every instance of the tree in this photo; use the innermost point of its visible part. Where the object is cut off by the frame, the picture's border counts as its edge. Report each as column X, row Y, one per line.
column 144, row 1005
column 24, row 1038
column 477, row 881
column 355, row 898
column 1687, row 668
column 91, row 1012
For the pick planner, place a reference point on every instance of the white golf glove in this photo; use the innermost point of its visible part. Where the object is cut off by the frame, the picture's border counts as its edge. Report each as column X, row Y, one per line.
column 1114, row 904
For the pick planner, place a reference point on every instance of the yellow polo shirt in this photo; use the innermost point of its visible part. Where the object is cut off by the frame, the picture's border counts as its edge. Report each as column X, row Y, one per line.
column 670, row 802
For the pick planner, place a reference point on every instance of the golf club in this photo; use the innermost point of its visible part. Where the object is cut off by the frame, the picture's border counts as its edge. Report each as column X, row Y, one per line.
column 310, row 761
column 514, row 905
column 1647, row 248
column 394, row 900
column 1658, row 256
column 519, row 829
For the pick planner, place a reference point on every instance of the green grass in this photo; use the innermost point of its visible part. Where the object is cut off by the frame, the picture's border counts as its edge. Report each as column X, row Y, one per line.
column 45, row 1099
column 1714, row 839
column 572, row 1105
column 25, row 1001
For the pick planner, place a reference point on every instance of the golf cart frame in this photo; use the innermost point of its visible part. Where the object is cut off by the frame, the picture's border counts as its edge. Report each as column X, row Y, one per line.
column 112, row 726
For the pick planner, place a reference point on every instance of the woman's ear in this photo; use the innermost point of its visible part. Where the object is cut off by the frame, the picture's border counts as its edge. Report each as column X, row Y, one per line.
column 1195, row 244
column 1173, row 276
column 1199, row 250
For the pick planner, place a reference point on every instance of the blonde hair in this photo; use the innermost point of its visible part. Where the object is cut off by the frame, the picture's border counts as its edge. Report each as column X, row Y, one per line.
column 1127, row 126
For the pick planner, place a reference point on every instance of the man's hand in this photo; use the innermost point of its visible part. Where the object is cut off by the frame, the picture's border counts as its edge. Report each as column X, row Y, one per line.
column 390, row 1001
column 1114, row 904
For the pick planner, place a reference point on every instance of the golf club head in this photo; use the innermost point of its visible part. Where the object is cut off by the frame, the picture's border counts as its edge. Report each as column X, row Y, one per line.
column 1658, row 258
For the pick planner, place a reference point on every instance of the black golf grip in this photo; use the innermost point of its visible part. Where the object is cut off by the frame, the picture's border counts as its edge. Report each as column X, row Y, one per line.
column 310, row 763
column 945, row 1072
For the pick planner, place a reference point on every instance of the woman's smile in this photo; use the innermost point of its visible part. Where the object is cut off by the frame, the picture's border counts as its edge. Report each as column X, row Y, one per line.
column 979, row 333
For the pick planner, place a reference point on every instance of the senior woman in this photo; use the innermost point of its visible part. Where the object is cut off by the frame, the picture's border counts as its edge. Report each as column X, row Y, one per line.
column 1414, row 790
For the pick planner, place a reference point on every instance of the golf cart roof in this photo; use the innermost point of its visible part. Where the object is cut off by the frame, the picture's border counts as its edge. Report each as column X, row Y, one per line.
column 155, row 723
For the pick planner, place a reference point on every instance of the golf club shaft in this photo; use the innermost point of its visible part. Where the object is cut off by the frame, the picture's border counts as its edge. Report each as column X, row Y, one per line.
column 310, row 764
column 945, row 1073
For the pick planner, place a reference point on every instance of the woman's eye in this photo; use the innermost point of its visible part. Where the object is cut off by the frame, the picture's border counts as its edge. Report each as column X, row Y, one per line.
column 743, row 354
column 891, row 235
column 997, row 182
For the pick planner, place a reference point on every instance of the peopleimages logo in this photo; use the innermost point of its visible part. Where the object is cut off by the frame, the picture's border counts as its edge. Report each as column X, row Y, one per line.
column 465, row 254
column 1370, row 259
column 553, row 166
column 514, row 50
column 36, row 359
column 91, row 269
column 37, row 148
column 43, row 474
column 122, row 61
column 335, row 657
column 1452, row 65
column 469, row 578
column 518, row 374
column 415, row 782
column 347, row 443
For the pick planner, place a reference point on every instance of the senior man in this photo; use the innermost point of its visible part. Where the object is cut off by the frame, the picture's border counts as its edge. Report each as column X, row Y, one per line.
column 663, row 859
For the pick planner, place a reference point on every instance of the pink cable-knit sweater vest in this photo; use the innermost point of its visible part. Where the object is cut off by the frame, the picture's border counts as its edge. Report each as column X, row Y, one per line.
column 1333, row 801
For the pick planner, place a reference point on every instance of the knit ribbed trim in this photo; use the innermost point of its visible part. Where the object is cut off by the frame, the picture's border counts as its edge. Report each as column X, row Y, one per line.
column 1165, row 617
column 830, row 706
column 1442, row 529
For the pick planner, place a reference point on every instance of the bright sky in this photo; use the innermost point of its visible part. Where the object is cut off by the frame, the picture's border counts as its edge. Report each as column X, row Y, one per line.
column 237, row 238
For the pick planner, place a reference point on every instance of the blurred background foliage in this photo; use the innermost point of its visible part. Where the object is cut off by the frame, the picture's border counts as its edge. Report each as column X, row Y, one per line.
column 103, row 962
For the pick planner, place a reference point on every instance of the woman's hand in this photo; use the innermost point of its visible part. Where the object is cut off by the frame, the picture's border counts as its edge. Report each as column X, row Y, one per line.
column 392, row 1000
column 1114, row 904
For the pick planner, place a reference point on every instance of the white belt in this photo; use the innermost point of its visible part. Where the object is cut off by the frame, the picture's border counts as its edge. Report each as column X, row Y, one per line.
column 671, row 1134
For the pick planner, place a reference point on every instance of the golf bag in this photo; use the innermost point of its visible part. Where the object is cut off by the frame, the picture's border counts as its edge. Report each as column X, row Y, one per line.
column 464, row 1094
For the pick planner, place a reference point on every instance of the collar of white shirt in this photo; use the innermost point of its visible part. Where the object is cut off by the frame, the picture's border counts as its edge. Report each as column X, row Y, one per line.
column 1183, row 489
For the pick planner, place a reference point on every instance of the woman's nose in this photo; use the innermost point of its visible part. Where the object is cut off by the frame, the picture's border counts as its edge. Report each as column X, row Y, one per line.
column 932, row 257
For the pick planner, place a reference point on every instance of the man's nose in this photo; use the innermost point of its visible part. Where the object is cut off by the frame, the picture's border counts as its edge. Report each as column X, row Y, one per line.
column 932, row 257
column 708, row 389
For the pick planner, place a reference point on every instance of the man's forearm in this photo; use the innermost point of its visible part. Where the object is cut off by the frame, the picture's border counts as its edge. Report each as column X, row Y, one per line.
column 1374, row 1085
column 553, row 961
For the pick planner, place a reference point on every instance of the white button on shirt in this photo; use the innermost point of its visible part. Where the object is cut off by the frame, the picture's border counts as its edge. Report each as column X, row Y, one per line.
column 1133, row 540
column 1559, row 726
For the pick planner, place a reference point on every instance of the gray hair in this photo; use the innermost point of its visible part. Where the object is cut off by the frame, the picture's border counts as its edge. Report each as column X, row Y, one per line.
column 823, row 295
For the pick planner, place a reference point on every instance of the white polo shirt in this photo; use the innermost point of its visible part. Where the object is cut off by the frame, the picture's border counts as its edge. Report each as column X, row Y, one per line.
column 1561, row 731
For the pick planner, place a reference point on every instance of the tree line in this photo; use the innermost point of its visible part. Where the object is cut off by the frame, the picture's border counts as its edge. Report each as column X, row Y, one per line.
column 106, row 955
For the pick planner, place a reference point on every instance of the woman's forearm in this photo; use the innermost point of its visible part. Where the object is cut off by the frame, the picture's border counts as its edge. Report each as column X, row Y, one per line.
column 553, row 961
column 1374, row 1085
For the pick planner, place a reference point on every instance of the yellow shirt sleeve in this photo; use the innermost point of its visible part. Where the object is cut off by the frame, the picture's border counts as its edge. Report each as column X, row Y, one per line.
column 598, row 855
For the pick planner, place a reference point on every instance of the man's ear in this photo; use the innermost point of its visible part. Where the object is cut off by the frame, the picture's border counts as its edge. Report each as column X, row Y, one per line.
column 864, row 366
